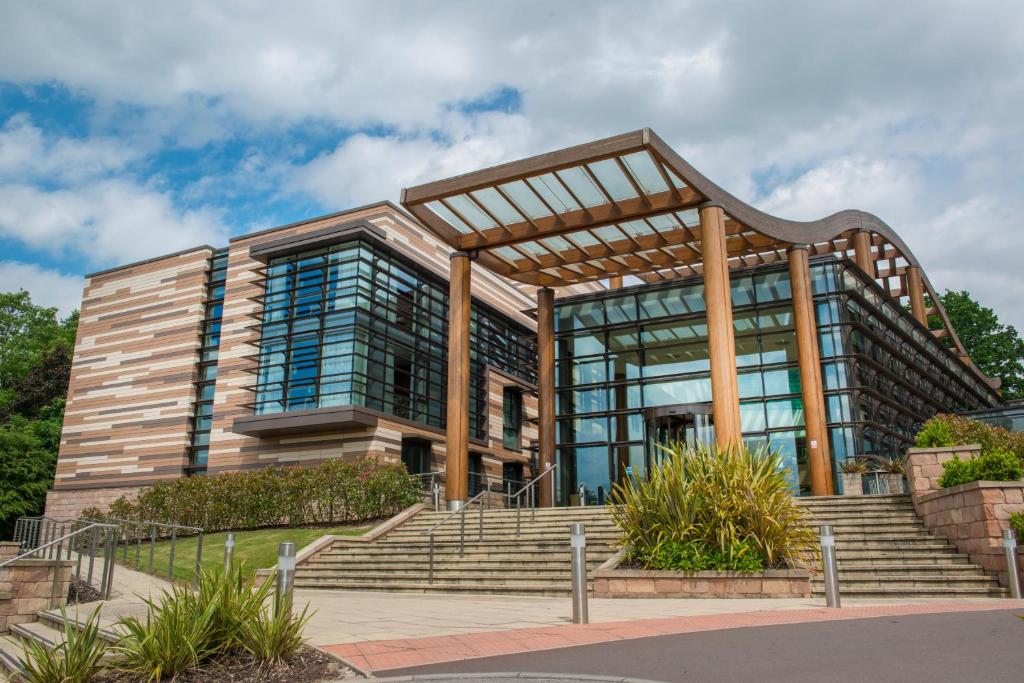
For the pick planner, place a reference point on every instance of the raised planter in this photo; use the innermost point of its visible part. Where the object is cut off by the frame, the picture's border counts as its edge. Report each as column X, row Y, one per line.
column 611, row 582
column 853, row 484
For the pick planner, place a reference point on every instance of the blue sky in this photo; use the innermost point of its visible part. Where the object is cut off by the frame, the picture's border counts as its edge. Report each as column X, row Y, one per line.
column 127, row 131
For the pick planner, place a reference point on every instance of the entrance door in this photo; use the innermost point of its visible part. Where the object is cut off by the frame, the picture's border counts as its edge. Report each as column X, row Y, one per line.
column 688, row 423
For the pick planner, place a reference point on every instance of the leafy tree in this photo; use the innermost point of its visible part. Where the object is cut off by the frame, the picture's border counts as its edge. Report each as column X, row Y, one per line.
column 35, row 364
column 994, row 347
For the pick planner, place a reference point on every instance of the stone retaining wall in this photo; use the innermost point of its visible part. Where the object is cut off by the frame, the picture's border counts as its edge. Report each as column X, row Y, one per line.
column 611, row 582
column 8, row 549
column 69, row 503
column 27, row 587
column 971, row 516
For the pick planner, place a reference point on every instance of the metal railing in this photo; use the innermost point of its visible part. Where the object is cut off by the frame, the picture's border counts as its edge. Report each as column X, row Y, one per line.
column 530, row 489
column 479, row 499
column 78, row 540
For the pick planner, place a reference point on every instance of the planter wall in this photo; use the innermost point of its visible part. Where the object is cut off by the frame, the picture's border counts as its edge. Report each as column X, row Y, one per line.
column 853, row 483
column 27, row 586
column 971, row 516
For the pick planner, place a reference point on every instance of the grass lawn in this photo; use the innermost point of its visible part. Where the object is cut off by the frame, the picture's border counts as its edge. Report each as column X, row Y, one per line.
column 258, row 549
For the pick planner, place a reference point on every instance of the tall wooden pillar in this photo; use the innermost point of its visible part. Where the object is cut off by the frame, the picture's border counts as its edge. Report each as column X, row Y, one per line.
column 546, row 391
column 916, row 287
column 457, row 432
column 819, row 459
column 725, row 403
column 615, row 282
column 862, row 252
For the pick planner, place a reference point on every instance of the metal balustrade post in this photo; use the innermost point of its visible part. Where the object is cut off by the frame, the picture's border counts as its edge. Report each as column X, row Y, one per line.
column 199, row 555
column 54, row 596
column 1012, row 570
column 152, row 546
column 430, row 560
column 92, row 554
column 125, row 557
column 480, row 536
column 578, row 543
column 519, row 511
column 582, row 492
column 110, row 572
column 829, row 566
column 170, row 555
column 462, row 531
column 138, row 546
column 533, row 503
column 109, row 550
column 437, row 496
column 285, row 578
column 551, row 478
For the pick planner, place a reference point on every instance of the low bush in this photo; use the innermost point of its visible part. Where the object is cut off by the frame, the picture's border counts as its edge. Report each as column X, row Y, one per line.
column 943, row 431
column 1017, row 522
column 993, row 465
column 332, row 492
column 75, row 660
column 726, row 508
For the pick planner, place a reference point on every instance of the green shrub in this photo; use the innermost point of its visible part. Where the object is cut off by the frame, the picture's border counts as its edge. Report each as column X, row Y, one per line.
column 730, row 503
column 176, row 635
column 695, row 557
column 237, row 597
column 76, row 660
column 952, row 430
column 1017, row 522
column 332, row 492
column 993, row 465
column 273, row 637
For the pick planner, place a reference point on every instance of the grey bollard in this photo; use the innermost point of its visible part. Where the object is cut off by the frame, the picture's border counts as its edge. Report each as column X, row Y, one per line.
column 578, row 542
column 1012, row 571
column 437, row 497
column 829, row 567
column 229, row 550
column 582, row 492
column 285, row 577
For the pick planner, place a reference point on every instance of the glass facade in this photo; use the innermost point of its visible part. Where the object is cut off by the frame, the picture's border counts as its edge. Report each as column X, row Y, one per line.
column 624, row 356
column 202, row 416
column 357, row 324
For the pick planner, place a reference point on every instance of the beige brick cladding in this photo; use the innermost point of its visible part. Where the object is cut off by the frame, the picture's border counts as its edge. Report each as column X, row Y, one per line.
column 130, row 395
column 66, row 504
column 972, row 516
column 27, row 587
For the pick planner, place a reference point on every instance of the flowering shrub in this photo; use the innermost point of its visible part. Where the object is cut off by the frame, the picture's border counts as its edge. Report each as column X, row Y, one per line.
column 332, row 492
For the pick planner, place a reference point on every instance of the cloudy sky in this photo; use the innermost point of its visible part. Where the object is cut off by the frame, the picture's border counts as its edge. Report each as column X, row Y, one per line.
column 129, row 130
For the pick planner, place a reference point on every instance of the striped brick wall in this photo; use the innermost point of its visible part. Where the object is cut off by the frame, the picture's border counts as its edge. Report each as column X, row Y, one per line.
column 129, row 400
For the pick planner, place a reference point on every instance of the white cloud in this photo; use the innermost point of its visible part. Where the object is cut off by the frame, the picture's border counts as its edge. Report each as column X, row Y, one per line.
column 47, row 287
column 107, row 222
column 28, row 153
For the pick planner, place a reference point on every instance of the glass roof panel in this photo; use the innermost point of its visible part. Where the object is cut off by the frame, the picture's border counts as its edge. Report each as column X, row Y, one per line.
column 533, row 248
column 645, row 172
column 448, row 217
column 664, row 222
column 675, row 179
column 582, row 186
column 556, row 244
column 496, row 204
column 690, row 217
column 636, row 228
column 614, row 181
column 525, row 199
column 610, row 233
column 554, row 194
column 508, row 253
column 584, row 238
column 465, row 206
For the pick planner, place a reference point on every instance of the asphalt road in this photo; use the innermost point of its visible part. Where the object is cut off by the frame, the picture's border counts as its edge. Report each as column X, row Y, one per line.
column 975, row 647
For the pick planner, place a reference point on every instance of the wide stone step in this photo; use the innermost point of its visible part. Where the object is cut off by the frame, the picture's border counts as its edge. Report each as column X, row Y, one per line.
column 552, row 590
column 951, row 560
column 10, row 655
column 447, row 574
column 485, row 547
column 422, row 562
column 914, row 592
column 908, row 569
column 909, row 580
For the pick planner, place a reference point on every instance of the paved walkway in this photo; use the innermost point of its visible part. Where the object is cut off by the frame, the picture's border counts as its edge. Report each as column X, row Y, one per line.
column 396, row 653
column 981, row 645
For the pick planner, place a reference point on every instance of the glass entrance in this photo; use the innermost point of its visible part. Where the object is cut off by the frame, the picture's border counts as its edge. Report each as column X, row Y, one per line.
column 687, row 423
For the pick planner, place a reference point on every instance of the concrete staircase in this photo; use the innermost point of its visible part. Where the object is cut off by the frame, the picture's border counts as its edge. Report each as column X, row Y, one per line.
column 884, row 551
column 47, row 630
column 534, row 562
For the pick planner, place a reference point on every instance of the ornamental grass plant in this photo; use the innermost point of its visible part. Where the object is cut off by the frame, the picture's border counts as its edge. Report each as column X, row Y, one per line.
column 710, row 507
column 75, row 660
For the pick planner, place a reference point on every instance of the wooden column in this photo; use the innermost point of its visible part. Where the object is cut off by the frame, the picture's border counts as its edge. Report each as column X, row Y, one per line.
column 916, row 287
column 457, row 432
column 819, row 460
column 546, row 391
column 725, row 403
column 862, row 252
column 615, row 282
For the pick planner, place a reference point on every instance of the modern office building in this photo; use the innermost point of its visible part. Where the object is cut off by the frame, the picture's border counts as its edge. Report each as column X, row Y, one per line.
column 575, row 308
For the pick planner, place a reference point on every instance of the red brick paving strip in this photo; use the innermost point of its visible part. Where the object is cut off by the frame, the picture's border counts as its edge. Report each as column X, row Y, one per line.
column 381, row 655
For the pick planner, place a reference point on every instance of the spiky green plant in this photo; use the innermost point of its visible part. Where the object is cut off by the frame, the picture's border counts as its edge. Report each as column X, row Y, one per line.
column 274, row 635
column 728, row 500
column 76, row 660
column 237, row 597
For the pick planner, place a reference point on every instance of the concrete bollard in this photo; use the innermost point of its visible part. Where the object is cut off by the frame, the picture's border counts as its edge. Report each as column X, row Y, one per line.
column 578, row 542
column 229, row 550
column 829, row 566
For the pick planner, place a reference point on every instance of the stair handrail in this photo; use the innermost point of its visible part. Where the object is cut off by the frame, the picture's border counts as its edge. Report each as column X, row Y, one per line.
column 478, row 498
column 532, row 488
column 127, row 528
column 57, row 545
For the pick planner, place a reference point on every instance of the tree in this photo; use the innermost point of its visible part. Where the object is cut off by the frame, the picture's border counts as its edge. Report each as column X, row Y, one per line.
column 27, row 333
column 26, row 471
column 995, row 348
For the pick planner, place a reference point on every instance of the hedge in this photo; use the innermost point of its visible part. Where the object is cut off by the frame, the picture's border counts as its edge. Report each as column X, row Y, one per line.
column 329, row 493
column 943, row 431
column 994, row 465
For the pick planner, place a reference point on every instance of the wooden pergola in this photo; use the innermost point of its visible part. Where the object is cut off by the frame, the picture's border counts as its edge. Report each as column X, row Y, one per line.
column 630, row 205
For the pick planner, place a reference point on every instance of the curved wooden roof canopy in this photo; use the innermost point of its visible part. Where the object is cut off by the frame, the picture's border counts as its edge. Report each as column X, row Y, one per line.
column 627, row 205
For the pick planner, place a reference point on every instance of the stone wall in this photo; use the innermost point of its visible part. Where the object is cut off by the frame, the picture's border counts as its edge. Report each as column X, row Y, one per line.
column 66, row 504
column 27, row 587
column 641, row 583
column 8, row 549
column 971, row 516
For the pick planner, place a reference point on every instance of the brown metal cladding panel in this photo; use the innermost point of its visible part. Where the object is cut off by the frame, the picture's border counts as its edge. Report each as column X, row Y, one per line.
column 130, row 394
